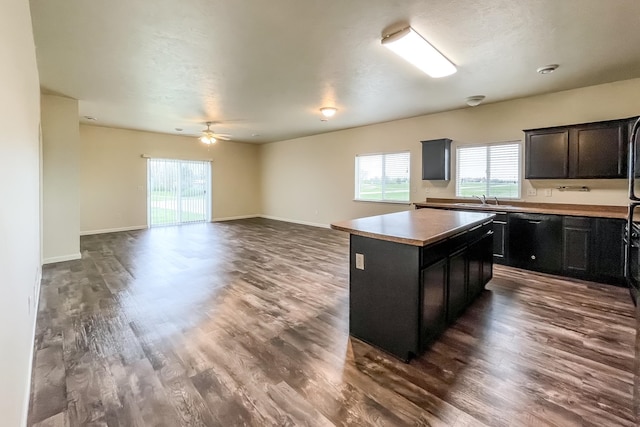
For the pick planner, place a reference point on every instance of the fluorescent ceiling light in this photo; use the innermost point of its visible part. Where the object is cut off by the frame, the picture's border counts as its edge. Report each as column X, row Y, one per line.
column 413, row 48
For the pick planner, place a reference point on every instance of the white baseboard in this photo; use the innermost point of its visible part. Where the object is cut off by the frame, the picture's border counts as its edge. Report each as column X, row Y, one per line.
column 113, row 230
column 62, row 258
column 295, row 221
column 32, row 352
column 233, row 218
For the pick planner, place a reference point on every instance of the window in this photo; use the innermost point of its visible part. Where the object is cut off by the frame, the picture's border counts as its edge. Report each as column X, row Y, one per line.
column 492, row 170
column 383, row 177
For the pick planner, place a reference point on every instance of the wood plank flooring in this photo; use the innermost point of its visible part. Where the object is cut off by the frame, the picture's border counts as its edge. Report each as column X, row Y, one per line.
column 245, row 323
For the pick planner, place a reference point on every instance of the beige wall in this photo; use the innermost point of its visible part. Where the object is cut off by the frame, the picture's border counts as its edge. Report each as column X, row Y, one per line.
column 20, row 207
column 113, row 175
column 60, row 193
column 311, row 179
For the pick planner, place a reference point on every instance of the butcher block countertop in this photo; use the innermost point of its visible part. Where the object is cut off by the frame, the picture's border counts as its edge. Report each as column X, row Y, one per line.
column 418, row 227
column 619, row 212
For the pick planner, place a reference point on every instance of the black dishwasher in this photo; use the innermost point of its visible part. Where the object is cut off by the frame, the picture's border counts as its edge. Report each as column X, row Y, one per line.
column 535, row 242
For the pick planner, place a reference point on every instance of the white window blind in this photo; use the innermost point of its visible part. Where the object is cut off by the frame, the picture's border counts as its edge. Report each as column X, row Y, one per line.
column 492, row 170
column 383, row 177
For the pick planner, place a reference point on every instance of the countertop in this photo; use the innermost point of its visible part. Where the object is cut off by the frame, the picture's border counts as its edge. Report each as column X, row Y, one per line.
column 418, row 227
column 619, row 212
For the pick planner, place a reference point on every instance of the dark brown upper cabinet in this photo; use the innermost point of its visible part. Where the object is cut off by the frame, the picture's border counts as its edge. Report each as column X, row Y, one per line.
column 598, row 150
column 547, row 153
column 590, row 150
column 436, row 159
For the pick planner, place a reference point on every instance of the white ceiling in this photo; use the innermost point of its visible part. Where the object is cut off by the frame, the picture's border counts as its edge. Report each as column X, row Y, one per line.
column 266, row 67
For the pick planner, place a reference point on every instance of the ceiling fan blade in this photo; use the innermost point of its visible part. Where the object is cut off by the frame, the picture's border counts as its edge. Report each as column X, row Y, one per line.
column 223, row 137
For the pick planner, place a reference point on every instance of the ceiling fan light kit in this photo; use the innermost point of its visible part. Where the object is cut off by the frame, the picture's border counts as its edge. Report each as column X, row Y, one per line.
column 413, row 48
column 210, row 137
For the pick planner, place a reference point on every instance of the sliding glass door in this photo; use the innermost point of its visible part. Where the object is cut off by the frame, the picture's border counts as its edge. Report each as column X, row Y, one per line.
column 178, row 191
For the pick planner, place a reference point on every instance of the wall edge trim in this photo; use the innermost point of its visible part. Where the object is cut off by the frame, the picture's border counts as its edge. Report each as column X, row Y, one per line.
column 113, row 230
column 61, row 258
column 233, row 218
column 295, row 221
column 32, row 353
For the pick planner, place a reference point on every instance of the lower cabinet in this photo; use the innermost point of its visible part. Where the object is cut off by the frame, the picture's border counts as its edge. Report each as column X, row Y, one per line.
column 433, row 312
column 458, row 275
column 500, row 239
column 577, row 238
column 583, row 247
column 450, row 284
column 608, row 250
column 593, row 249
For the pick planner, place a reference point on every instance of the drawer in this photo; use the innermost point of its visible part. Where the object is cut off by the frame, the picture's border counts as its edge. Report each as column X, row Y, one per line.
column 577, row 221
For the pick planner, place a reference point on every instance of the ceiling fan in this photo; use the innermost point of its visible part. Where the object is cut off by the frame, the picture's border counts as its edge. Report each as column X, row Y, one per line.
column 210, row 137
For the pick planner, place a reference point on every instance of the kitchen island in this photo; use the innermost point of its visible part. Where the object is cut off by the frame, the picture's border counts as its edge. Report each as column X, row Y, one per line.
column 412, row 273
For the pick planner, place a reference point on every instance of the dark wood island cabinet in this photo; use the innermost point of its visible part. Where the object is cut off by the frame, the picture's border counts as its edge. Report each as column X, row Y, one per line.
column 412, row 273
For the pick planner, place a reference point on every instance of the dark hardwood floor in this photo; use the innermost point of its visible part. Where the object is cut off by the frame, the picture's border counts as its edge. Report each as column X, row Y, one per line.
column 246, row 323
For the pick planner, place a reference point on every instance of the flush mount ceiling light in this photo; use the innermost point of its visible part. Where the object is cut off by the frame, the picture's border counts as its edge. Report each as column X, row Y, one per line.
column 328, row 111
column 475, row 100
column 210, row 137
column 547, row 69
column 410, row 45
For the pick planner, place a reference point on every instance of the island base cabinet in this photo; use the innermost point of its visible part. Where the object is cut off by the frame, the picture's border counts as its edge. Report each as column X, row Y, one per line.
column 384, row 296
column 401, row 296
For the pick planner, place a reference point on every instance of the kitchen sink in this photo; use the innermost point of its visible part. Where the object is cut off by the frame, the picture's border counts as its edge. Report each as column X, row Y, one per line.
column 478, row 205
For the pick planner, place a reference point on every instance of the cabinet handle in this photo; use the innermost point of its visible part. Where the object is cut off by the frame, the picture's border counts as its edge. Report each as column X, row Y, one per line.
column 533, row 257
column 534, row 222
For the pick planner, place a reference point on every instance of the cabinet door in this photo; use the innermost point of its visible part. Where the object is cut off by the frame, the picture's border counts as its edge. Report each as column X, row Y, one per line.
column 547, row 154
column 433, row 296
column 474, row 279
column 609, row 250
column 487, row 260
column 480, row 266
column 598, row 150
column 500, row 241
column 457, row 298
column 576, row 251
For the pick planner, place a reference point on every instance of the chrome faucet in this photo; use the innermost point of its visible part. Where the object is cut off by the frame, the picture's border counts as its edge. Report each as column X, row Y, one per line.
column 496, row 200
column 483, row 200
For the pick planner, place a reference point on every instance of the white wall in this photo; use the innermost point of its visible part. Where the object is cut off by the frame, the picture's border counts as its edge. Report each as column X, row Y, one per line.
column 20, row 207
column 113, row 175
column 60, row 194
column 311, row 179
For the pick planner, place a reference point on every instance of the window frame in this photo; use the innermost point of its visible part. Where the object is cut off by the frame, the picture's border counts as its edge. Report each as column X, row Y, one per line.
column 383, row 154
column 520, row 180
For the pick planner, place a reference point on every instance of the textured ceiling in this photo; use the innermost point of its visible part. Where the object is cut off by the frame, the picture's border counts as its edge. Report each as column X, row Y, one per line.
column 266, row 67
